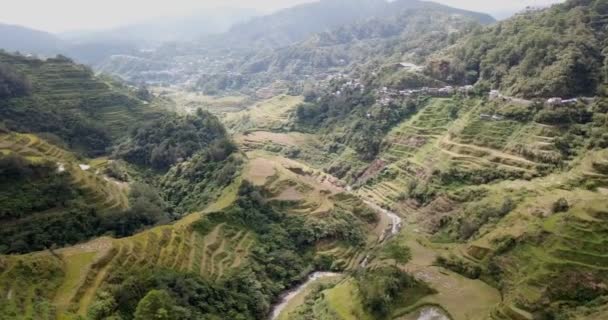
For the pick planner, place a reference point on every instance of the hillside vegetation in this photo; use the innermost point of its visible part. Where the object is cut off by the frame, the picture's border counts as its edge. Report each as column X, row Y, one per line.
column 222, row 254
column 66, row 100
column 554, row 52
column 55, row 193
column 499, row 189
column 303, row 43
column 411, row 164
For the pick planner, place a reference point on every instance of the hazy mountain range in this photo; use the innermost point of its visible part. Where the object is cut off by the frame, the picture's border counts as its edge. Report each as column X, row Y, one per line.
column 93, row 46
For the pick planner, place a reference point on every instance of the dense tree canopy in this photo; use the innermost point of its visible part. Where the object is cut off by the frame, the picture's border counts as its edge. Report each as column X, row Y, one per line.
column 172, row 139
column 556, row 52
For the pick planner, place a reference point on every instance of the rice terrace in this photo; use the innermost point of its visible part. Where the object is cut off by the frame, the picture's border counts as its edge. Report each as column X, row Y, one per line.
column 304, row 160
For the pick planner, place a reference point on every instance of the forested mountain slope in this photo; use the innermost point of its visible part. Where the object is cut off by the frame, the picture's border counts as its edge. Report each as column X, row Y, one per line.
column 299, row 23
column 287, row 46
column 405, row 37
column 555, row 52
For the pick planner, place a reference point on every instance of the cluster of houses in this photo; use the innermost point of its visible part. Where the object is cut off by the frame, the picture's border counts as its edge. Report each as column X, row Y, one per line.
column 388, row 95
column 353, row 84
column 495, row 94
column 561, row 102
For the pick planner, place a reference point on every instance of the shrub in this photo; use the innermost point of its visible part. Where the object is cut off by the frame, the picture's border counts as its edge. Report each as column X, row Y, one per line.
column 382, row 287
column 116, row 170
column 12, row 83
column 424, row 193
column 459, row 266
column 560, row 205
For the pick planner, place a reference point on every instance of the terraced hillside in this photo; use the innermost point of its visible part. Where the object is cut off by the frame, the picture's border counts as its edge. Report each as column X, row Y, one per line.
column 540, row 253
column 65, row 281
column 324, row 202
column 480, row 182
column 73, row 278
column 463, row 139
column 272, row 115
column 70, row 101
column 98, row 189
column 32, row 221
column 497, row 183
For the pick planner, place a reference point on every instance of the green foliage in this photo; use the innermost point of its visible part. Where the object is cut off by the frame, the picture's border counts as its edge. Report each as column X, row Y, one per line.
column 478, row 214
column 381, row 288
column 459, row 266
column 103, row 306
column 78, row 222
column 116, row 169
column 12, row 83
column 27, row 187
column 395, row 250
column 172, row 139
column 564, row 115
column 555, row 52
column 577, row 285
column 38, row 116
column 455, row 175
column 353, row 118
column 158, row 305
column 560, row 205
column 191, row 185
column 42, row 275
column 423, row 192
column 517, row 112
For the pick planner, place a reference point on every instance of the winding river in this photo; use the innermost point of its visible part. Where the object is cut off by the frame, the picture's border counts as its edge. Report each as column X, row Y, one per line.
column 288, row 296
column 395, row 227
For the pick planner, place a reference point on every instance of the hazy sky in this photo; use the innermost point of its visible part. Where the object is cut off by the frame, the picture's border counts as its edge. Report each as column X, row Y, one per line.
column 64, row 15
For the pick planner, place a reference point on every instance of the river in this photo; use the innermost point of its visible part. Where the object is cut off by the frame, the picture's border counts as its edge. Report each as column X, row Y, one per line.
column 276, row 312
column 396, row 221
column 396, row 224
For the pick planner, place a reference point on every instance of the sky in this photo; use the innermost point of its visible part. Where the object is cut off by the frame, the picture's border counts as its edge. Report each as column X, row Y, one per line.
column 71, row 15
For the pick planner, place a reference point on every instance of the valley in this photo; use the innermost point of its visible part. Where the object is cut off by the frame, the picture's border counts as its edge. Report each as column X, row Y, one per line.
column 332, row 160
